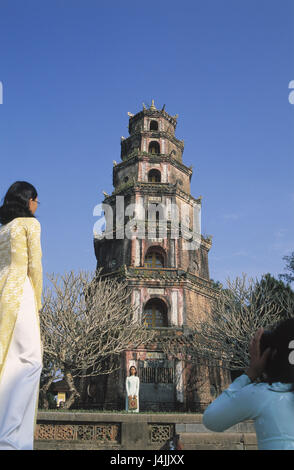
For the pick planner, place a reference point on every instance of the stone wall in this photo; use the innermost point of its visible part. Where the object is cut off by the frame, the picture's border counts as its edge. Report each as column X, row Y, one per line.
column 115, row 431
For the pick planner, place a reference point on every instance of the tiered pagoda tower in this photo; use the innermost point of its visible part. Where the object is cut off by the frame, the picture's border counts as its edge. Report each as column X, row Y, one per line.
column 170, row 282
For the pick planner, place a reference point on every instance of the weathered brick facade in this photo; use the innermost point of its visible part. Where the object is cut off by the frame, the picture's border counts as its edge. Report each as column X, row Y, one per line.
column 170, row 283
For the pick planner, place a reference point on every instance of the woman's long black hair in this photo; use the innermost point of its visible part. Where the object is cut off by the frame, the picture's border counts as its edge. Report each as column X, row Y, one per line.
column 16, row 201
column 279, row 366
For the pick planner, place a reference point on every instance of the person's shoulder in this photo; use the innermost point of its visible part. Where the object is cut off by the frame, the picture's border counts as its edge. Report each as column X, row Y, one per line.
column 31, row 222
column 246, row 383
column 17, row 223
column 29, row 219
column 258, row 387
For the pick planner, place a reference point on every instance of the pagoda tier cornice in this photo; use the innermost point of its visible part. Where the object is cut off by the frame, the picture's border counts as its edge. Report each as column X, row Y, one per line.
column 137, row 156
column 151, row 189
column 167, row 188
column 156, row 113
column 155, row 135
column 206, row 242
column 164, row 278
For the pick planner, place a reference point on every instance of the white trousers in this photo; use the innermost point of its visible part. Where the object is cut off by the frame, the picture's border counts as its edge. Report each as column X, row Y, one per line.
column 19, row 385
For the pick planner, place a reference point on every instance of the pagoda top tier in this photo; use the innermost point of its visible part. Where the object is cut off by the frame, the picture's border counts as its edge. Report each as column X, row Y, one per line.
column 152, row 133
column 150, row 112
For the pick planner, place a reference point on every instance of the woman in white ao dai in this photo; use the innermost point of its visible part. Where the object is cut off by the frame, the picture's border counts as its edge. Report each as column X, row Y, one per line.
column 132, row 388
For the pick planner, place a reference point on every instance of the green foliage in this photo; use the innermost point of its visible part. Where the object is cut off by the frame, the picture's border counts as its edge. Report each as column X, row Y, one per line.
column 282, row 295
column 216, row 284
column 288, row 277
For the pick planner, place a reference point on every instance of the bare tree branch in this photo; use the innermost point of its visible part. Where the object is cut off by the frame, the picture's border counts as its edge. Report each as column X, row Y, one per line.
column 86, row 321
column 238, row 311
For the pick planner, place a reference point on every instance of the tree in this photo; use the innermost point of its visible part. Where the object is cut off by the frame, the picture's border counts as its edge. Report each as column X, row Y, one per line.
column 238, row 311
column 86, row 323
column 281, row 294
column 50, row 373
column 288, row 277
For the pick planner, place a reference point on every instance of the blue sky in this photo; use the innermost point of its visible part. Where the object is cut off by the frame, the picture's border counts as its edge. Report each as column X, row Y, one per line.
column 71, row 70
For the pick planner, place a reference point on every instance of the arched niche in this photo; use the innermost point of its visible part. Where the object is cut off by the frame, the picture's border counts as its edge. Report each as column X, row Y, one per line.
column 154, row 176
column 155, row 313
column 154, row 147
column 154, row 125
column 155, row 257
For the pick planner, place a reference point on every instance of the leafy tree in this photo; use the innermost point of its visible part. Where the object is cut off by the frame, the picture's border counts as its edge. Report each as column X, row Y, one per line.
column 281, row 294
column 288, row 277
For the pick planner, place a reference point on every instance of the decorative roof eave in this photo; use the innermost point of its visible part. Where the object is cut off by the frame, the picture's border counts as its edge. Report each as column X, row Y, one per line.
column 154, row 158
column 146, row 187
column 160, row 134
column 206, row 242
column 153, row 112
column 147, row 226
column 164, row 277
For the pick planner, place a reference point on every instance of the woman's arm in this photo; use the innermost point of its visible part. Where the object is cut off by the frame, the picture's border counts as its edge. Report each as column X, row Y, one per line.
column 242, row 400
column 35, row 271
column 128, row 387
column 234, row 405
column 137, row 386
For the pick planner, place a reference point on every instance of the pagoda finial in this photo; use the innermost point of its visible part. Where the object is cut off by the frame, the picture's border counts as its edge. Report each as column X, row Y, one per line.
column 152, row 105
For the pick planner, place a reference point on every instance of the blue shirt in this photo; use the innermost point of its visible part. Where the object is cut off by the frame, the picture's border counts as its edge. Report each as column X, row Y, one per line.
column 270, row 406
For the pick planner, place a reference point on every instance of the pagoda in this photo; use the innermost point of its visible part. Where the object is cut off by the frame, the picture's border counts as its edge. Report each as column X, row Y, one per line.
column 153, row 241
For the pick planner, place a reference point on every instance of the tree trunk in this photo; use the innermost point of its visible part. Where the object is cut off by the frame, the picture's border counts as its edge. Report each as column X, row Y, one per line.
column 43, row 393
column 73, row 393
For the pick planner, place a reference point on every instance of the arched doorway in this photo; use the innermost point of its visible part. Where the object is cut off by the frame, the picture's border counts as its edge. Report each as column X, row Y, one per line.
column 157, row 372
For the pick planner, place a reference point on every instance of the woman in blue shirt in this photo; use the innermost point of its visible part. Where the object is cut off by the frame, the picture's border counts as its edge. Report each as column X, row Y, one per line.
column 269, row 403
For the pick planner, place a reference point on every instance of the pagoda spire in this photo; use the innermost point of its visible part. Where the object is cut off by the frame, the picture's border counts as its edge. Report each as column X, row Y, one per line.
column 152, row 106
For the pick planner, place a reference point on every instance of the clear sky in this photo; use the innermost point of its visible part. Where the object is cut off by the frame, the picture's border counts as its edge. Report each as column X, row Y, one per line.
column 72, row 69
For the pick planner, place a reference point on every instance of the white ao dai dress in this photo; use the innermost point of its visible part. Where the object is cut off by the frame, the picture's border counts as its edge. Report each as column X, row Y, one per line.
column 132, row 388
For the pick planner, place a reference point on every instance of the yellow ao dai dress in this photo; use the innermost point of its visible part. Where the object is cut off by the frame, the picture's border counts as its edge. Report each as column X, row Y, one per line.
column 20, row 344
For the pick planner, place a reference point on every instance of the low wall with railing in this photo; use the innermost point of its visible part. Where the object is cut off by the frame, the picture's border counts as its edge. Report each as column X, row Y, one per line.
column 68, row 430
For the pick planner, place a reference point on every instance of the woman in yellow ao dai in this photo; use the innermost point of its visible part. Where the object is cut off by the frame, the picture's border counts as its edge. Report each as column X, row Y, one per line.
column 20, row 302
